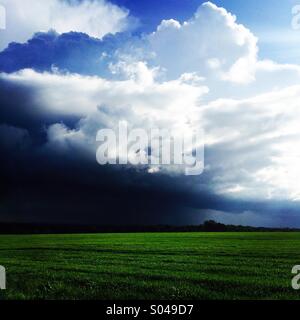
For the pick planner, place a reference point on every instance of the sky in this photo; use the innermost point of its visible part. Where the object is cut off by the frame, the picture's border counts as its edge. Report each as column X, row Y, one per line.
column 69, row 68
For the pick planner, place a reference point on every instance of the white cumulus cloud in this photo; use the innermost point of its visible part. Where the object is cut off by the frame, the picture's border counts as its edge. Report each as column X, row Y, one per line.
column 211, row 40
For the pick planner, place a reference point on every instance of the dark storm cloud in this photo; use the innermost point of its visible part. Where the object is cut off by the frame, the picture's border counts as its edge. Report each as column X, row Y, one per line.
column 18, row 109
column 44, row 186
column 42, row 182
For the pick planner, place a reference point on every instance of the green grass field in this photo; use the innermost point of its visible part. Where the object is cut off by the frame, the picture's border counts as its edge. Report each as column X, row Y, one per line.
column 151, row 266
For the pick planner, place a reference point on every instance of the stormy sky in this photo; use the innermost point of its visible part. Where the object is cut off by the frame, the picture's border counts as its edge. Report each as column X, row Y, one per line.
column 69, row 68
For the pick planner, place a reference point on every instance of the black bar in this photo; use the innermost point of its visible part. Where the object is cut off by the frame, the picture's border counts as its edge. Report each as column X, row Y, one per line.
column 110, row 309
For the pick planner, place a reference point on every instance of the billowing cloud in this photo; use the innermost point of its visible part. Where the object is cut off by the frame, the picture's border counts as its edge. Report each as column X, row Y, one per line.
column 94, row 103
column 247, row 140
column 194, row 46
column 96, row 18
column 253, row 144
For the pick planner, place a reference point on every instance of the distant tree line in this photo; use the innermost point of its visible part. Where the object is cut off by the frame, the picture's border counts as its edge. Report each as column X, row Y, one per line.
column 207, row 226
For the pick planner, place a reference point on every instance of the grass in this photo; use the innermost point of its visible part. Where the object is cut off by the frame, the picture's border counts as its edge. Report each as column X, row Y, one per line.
column 151, row 266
